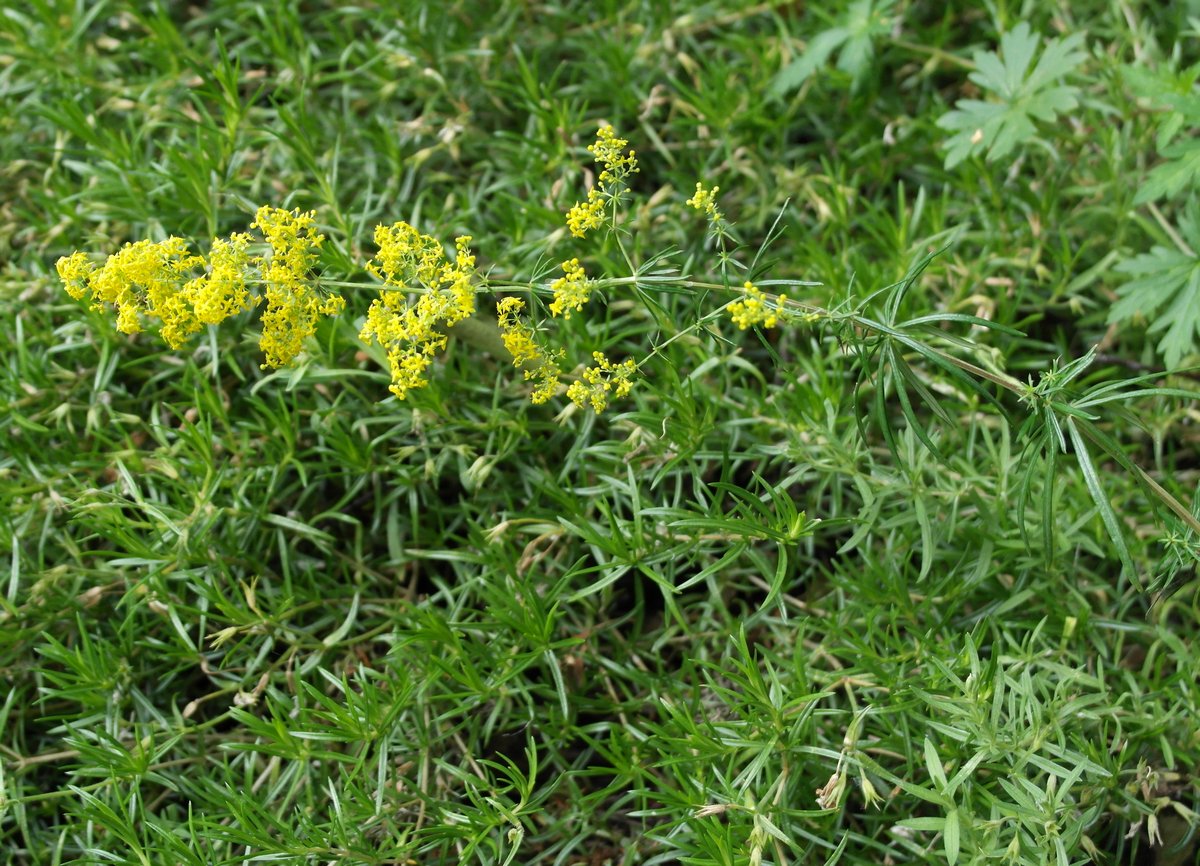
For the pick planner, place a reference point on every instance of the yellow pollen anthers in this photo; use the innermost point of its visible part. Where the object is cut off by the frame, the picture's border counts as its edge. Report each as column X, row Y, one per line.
column 540, row 366
column 753, row 309
column 412, row 333
column 706, row 200
column 293, row 304
column 601, row 382
column 571, row 291
column 609, row 151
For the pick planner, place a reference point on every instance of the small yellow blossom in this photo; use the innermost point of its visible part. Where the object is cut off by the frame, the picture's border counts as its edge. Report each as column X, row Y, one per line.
column 546, row 375
column 459, row 277
column 752, row 309
column 609, row 151
column 142, row 279
column 602, row 381
column 74, row 270
column 463, row 257
column 412, row 333
column 706, row 200
column 571, row 291
column 586, row 216
column 517, row 336
column 222, row 292
column 147, row 280
column 406, row 256
column 540, row 366
column 295, row 244
column 293, row 305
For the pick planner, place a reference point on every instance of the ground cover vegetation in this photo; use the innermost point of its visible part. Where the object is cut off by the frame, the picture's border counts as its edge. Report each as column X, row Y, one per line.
column 793, row 460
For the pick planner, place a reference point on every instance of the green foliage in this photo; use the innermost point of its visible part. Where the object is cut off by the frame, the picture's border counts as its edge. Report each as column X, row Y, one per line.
column 853, row 38
column 1022, row 95
column 1164, row 287
column 1174, row 92
column 909, row 578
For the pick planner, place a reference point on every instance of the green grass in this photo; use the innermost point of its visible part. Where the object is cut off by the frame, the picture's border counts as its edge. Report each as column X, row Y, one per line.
column 813, row 594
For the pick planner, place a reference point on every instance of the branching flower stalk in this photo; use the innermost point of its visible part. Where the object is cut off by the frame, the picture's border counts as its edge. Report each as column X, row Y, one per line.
column 424, row 296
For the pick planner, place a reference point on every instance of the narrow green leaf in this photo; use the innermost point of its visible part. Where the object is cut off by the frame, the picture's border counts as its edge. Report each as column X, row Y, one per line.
column 951, row 836
column 1096, row 489
column 934, row 764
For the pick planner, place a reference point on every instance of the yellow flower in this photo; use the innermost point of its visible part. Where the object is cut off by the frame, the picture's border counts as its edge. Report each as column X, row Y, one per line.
column 293, row 305
column 222, row 293
column 540, row 366
column 74, row 270
column 412, row 333
column 146, row 280
column 517, row 336
column 752, row 309
column 406, row 256
column 141, row 279
column 546, row 375
column 295, row 244
column 571, row 291
column 706, row 200
column 609, row 150
column 618, row 167
column 602, row 381
column 586, row 216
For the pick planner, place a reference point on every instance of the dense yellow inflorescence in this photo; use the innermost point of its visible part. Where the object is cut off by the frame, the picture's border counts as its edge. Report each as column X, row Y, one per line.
column 587, row 215
column 162, row 280
column 412, row 333
column 602, row 382
column 222, row 291
column 753, row 308
column 706, row 200
column 571, row 291
column 142, row 279
column 423, row 293
column 541, row 366
column 293, row 304
column 609, row 151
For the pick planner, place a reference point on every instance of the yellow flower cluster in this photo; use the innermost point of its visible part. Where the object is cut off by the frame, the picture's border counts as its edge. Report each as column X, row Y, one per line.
column 222, row 292
column 618, row 166
column 141, row 279
column 517, row 336
column 610, row 151
column 406, row 256
column 571, row 291
column 423, row 293
column 148, row 280
column 706, row 200
column 601, row 382
column 540, row 366
column 293, row 304
column 412, row 333
column 586, row 216
column 753, row 309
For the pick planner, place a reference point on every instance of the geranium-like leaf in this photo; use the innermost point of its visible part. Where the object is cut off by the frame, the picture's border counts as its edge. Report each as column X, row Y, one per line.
column 998, row 126
column 1164, row 288
column 864, row 22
